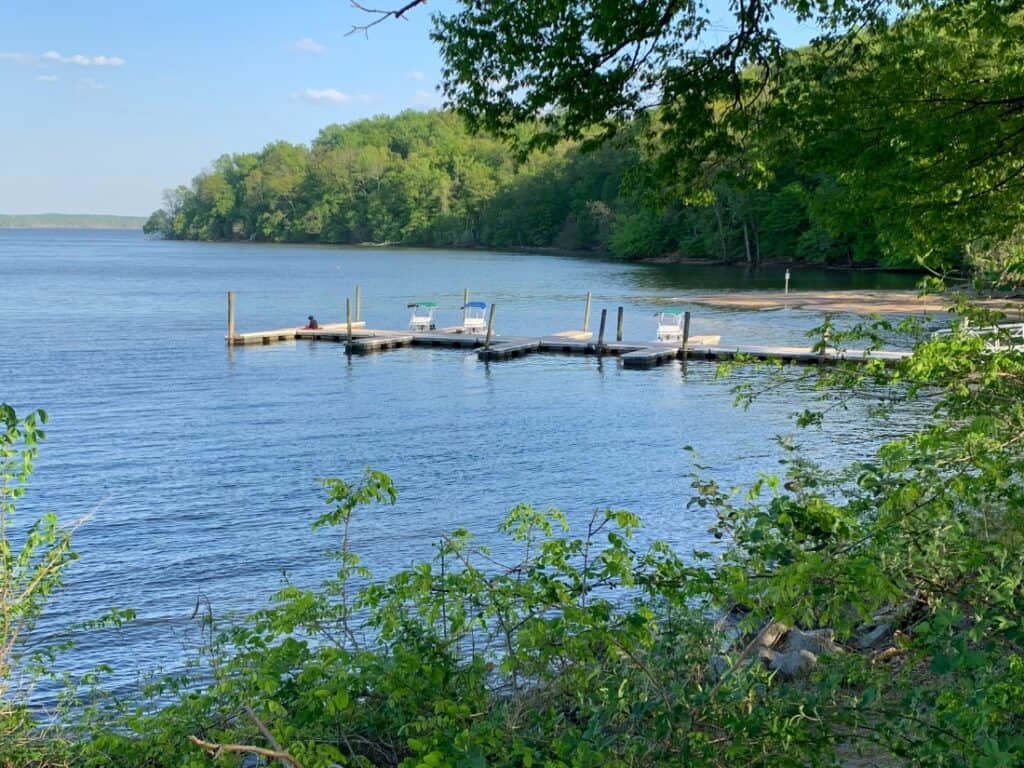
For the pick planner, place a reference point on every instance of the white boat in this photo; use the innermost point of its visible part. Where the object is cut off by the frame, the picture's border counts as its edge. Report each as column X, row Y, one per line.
column 422, row 318
column 996, row 337
column 473, row 319
column 670, row 324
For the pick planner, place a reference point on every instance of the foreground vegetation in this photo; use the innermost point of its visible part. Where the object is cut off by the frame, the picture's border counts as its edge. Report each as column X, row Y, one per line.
column 585, row 650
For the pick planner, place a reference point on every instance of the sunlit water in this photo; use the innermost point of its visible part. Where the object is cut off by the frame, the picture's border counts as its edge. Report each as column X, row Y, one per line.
column 199, row 464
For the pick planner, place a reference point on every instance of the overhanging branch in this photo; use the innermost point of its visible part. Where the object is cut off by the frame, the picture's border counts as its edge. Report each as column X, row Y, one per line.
column 381, row 14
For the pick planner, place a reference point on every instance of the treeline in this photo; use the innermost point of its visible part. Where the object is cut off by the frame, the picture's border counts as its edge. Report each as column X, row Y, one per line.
column 420, row 178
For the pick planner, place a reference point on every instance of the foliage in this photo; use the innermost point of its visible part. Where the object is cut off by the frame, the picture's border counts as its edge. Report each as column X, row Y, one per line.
column 907, row 116
column 421, row 178
column 921, row 122
column 894, row 138
column 32, row 564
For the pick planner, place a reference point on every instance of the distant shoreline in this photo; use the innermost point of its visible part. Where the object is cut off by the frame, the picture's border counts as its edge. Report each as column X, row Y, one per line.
column 69, row 221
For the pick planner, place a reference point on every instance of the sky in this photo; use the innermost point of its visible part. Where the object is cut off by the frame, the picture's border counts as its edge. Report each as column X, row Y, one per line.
column 107, row 104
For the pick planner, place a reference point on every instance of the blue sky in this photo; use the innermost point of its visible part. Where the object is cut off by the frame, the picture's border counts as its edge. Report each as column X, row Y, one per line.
column 109, row 103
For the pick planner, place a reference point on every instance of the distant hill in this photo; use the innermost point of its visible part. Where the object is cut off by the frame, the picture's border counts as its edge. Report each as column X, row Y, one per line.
column 72, row 221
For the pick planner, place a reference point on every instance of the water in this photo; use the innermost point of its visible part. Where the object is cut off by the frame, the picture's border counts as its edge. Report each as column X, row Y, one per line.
column 199, row 464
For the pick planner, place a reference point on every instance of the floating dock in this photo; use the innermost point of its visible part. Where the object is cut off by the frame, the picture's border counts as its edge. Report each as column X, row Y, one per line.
column 358, row 339
column 647, row 354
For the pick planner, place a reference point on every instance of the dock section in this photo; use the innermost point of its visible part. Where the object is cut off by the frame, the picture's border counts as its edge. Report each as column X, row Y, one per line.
column 327, row 332
column 489, row 347
column 634, row 355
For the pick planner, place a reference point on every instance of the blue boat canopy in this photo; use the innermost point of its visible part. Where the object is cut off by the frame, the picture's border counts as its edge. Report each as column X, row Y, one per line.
column 424, row 304
column 477, row 304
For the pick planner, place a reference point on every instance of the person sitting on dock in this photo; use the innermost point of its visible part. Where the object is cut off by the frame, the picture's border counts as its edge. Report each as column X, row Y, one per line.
column 312, row 325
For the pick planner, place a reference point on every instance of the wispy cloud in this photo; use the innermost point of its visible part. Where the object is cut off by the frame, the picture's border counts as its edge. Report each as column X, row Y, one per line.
column 79, row 60
column 47, row 78
column 309, row 45
column 332, row 96
column 89, row 84
column 417, row 75
column 324, row 96
column 426, row 99
column 21, row 58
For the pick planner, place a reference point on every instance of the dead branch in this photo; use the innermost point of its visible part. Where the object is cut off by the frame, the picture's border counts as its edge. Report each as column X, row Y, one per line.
column 263, row 729
column 217, row 749
column 381, row 14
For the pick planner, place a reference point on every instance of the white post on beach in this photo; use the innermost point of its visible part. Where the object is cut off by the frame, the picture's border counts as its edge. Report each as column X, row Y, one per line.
column 787, row 281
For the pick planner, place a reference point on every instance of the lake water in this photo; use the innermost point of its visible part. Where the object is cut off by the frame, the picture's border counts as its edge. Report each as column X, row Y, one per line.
column 199, row 463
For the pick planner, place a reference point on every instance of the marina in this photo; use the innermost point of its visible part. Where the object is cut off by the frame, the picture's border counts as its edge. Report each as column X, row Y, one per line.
column 673, row 341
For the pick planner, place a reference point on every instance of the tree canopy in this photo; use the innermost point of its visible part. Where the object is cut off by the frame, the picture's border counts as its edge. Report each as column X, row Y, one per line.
column 423, row 179
column 913, row 108
column 896, row 137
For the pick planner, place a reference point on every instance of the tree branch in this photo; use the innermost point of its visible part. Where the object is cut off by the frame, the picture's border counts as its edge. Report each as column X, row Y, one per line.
column 217, row 749
column 382, row 15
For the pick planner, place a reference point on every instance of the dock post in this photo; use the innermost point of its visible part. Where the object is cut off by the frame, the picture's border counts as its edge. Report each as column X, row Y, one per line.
column 600, row 333
column 787, row 280
column 231, row 318
column 348, row 320
column 686, row 336
column 357, row 303
column 465, row 301
column 618, row 329
column 490, row 325
column 586, row 314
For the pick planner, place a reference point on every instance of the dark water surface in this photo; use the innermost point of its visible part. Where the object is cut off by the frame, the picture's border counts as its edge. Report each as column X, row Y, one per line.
column 200, row 464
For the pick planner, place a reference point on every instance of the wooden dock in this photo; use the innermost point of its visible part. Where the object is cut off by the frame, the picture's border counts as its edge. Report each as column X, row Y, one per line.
column 328, row 332
column 637, row 355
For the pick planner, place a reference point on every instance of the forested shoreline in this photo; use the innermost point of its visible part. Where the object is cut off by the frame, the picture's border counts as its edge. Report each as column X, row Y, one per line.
column 422, row 179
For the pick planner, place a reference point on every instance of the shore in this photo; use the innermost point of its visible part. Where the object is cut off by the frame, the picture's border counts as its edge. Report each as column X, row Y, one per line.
column 855, row 302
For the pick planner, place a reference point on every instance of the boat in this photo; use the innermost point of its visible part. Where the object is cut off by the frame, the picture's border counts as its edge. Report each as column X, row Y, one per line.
column 996, row 337
column 670, row 324
column 473, row 320
column 422, row 318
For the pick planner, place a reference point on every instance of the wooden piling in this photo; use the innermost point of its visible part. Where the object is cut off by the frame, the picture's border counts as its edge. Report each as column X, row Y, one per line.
column 465, row 302
column 586, row 314
column 357, row 303
column 231, row 318
column 490, row 325
column 618, row 329
column 600, row 333
column 686, row 334
column 348, row 318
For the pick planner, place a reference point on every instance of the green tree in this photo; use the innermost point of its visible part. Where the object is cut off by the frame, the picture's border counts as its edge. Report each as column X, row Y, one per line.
column 33, row 559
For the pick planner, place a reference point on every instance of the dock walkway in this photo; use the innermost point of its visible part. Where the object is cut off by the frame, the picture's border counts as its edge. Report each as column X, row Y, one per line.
column 645, row 354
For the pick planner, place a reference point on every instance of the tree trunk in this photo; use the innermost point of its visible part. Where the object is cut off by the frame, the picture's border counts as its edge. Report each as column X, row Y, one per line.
column 721, row 230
